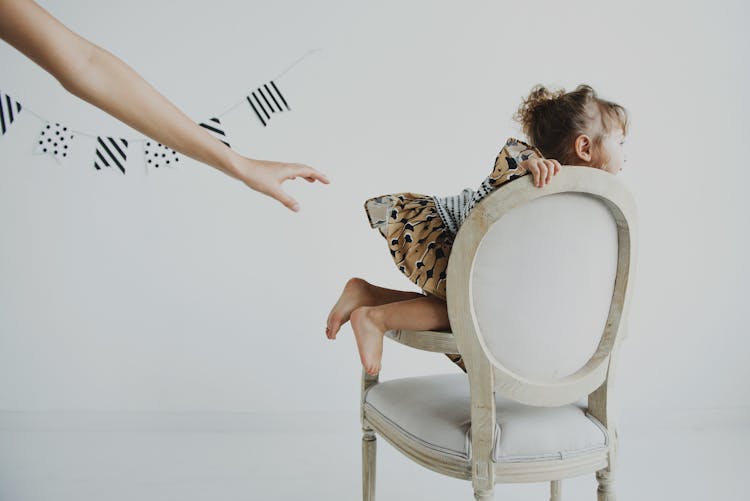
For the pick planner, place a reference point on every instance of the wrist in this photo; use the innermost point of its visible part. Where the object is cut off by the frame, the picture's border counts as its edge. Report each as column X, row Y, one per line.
column 232, row 163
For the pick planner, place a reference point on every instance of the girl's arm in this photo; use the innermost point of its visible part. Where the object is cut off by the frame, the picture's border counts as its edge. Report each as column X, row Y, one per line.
column 102, row 79
column 517, row 159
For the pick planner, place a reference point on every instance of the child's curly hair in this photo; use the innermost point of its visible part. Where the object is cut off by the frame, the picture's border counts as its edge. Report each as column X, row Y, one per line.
column 553, row 119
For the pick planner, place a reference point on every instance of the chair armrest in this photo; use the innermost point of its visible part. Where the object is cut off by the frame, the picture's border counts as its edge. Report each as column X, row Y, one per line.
column 439, row 342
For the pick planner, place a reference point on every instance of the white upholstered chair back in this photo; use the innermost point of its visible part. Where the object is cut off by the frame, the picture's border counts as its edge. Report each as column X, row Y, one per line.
column 542, row 285
column 537, row 284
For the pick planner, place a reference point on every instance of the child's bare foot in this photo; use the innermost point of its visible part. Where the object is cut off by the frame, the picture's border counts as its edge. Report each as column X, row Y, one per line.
column 369, row 335
column 356, row 293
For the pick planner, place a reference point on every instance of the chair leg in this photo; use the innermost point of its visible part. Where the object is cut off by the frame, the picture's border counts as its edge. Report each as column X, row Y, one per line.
column 484, row 495
column 606, row 490
column 555, row 490
column 369, row 448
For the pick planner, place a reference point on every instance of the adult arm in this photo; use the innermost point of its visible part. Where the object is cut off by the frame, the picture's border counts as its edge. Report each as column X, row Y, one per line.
column 102, row 79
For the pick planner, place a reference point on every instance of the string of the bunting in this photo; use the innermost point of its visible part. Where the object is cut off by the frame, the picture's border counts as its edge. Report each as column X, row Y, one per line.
column 56, row 139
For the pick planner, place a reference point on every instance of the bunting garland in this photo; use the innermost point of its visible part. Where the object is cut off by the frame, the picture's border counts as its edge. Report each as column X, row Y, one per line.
column 57, row 140
column 9, row 110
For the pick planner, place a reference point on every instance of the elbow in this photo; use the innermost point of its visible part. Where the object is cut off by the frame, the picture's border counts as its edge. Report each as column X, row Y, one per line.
column 78, row 75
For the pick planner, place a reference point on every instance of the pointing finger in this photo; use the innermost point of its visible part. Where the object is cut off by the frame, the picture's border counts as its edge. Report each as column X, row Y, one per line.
column 309, row 173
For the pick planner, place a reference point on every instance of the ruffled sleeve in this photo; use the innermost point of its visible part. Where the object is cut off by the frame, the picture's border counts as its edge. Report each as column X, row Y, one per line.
column 508, row 162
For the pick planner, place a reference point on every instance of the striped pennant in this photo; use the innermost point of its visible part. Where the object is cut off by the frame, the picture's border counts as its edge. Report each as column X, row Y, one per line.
column 54, row 139
column 9, row 110
column 216, row 130
column 111, row 152
column 267, row 100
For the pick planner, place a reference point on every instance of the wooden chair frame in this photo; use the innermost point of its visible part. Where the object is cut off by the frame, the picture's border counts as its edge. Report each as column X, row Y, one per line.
column 487, row 375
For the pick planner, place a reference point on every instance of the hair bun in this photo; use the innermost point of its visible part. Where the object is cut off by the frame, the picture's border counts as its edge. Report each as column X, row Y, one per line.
column 552, row 119
column 534, row 104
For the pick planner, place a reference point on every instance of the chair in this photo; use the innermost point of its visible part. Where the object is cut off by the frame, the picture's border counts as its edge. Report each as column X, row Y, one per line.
column 539, row 282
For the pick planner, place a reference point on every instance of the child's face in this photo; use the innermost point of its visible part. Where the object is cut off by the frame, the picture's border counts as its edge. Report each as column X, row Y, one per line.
column 613, row 151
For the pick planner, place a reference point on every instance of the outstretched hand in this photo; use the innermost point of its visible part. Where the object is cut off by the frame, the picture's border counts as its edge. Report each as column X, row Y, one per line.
column 267, row 176
column 541, row 169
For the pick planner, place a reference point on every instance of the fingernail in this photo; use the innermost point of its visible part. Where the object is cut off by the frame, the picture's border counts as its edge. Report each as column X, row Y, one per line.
column 295, row 207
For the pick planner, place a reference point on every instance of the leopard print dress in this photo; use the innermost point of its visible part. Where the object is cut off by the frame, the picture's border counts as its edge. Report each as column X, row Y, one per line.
column 420, row 229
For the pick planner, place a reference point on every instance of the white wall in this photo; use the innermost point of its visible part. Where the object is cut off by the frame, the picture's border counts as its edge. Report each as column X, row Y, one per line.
column 184, row 291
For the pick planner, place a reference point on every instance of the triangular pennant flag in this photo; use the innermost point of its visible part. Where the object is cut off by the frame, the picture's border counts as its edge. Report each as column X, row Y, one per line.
column 265, row 101
column 158, row 155
column 9, row 110
column 111, row 152
column 54, row 140
column 214, row 127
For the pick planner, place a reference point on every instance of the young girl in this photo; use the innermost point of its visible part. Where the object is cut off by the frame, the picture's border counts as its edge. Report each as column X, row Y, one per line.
column 577, row 127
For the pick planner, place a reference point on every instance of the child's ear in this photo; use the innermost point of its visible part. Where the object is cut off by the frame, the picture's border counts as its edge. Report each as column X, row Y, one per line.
column 583, row 148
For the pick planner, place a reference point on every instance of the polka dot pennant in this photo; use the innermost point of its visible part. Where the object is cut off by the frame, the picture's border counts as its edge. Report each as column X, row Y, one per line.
column 55, row 140
column 157, row 155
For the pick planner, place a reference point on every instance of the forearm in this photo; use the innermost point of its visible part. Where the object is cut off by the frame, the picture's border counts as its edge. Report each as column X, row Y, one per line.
column 108, row 83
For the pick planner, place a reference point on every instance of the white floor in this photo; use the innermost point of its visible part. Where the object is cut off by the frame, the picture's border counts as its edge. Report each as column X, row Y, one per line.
column 249, row 460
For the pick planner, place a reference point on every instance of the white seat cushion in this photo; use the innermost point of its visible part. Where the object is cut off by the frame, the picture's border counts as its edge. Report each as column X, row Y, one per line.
column 435, row 411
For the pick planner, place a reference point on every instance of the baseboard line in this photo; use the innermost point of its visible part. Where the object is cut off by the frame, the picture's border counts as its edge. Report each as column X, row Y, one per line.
column 312, row 421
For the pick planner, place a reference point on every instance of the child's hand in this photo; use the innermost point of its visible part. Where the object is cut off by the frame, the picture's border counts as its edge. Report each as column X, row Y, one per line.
column 542, row 169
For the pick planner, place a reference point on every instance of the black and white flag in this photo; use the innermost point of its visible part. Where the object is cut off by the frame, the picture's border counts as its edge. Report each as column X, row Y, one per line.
column 158, row 155
column 214, row 127
column 267, row 100
column 111, row 152
column 9, row 110
column 55, row 140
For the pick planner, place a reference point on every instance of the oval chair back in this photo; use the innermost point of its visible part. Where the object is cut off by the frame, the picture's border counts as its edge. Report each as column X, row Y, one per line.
column 538, row 284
